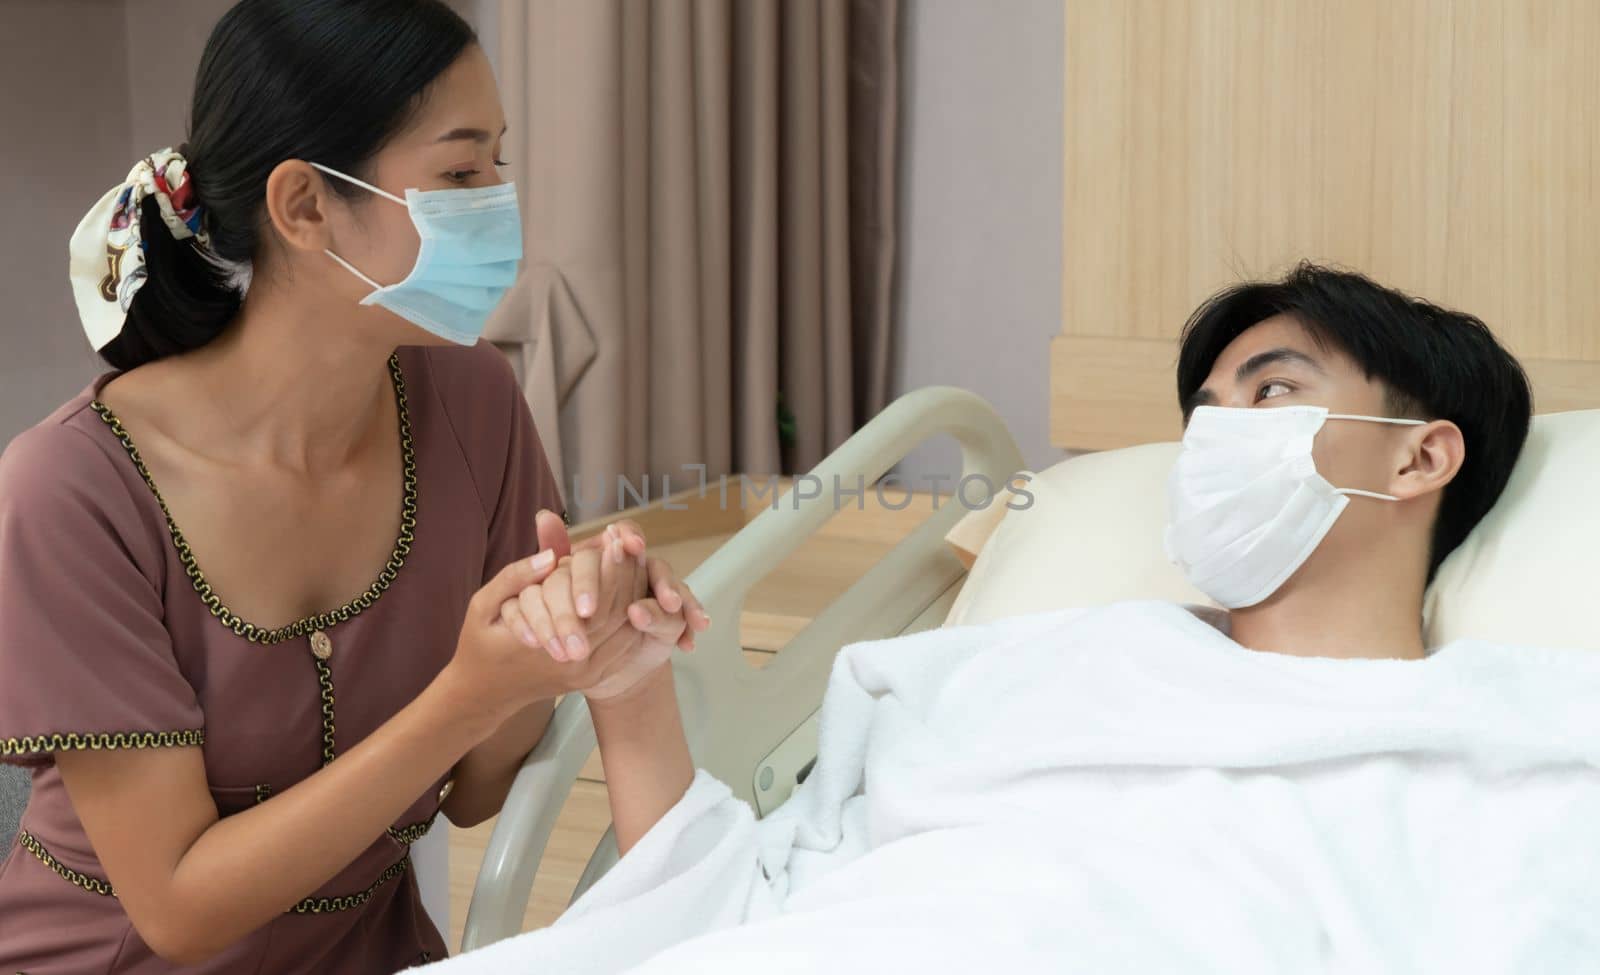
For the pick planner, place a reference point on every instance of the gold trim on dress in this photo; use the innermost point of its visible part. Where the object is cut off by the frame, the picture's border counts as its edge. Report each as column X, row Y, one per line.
column 74, row 741
column 310, row 905
column 325, row 689
column 407, row 835
column 312, row 626
column 348, row 902
column 95, row 885
column 320, row 621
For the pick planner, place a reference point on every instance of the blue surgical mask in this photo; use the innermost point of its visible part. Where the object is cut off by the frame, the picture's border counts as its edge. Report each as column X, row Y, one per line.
column 471, row 246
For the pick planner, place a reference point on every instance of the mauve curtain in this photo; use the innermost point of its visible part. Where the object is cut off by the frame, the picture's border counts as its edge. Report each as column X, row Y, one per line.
column 708, row 194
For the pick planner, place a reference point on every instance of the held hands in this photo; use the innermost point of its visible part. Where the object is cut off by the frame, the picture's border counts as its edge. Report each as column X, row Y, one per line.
column 594, row 610
column 620, row 636
column 560, row 621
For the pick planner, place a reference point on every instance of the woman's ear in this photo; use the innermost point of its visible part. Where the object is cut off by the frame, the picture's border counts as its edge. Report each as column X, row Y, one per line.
column 1429, row 460
column 297, row 201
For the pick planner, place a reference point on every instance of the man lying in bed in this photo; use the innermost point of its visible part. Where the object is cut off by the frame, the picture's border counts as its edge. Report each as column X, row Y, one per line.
column 1295, row 785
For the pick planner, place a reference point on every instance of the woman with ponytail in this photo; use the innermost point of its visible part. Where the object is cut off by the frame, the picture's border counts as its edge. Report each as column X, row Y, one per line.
column 265, row 584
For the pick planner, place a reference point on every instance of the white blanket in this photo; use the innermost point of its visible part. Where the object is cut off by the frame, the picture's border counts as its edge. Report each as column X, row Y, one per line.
column 1126, row 789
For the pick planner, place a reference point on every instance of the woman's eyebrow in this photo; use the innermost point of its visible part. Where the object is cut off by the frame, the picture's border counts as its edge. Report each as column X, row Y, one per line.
column 476, row 135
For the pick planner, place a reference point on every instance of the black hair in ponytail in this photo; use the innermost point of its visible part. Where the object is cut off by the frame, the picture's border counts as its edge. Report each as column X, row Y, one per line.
column 324, row 80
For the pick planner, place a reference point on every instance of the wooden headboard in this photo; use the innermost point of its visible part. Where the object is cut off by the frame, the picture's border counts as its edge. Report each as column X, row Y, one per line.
column 1449, row 148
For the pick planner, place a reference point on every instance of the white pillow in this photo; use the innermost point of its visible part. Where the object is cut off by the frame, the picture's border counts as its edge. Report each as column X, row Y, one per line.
column 968, row 536
column 1093, row 536
column 1528, row 570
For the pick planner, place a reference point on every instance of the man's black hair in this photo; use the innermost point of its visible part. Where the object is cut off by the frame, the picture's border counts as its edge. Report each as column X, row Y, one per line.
column 1435, row 364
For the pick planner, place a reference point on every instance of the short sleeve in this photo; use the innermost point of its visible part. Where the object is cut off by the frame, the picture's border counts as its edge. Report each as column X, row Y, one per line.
column 85, row 658
column 527, row 486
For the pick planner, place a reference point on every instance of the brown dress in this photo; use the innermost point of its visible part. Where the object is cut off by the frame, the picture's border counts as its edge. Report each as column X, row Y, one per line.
column 110, row 637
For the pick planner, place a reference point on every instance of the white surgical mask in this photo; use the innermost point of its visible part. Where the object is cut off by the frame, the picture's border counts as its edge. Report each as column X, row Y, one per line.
column 1245, row 504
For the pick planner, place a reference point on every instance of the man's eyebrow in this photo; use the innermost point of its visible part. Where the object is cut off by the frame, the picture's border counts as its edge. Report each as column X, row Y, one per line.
column 1251, row 366
column 476, row 135
column 1262, row 360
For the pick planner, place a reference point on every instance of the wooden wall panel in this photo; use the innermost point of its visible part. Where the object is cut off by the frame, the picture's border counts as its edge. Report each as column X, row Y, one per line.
column 1446, row 147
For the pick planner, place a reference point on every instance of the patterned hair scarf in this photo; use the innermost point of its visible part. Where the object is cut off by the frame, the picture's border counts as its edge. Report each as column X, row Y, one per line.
column 107, row 255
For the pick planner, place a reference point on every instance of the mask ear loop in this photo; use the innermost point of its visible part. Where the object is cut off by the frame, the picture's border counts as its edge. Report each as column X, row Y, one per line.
column 361, row 183
column 369, row 187
column 352, row 269
column 1353, row 416
column 1373, row 419
column 1366, row 494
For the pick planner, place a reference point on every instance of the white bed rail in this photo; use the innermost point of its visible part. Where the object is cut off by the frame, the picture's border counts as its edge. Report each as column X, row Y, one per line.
column 758, row 708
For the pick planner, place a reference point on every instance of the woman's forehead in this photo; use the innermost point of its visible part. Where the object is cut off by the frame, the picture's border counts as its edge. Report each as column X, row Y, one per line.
column 464, row 99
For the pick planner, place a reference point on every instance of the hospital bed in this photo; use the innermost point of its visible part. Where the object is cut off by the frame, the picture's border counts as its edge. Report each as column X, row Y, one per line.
column 1091, row 535
column 755, row 729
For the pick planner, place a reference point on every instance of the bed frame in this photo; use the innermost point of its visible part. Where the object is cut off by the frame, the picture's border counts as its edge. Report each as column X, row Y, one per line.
column 756, row 729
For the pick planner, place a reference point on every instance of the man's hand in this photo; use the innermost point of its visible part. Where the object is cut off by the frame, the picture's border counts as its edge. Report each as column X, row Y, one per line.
column 654, row 633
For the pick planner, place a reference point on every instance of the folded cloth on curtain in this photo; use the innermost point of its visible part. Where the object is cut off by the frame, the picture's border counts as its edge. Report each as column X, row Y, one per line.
column 1126, row 789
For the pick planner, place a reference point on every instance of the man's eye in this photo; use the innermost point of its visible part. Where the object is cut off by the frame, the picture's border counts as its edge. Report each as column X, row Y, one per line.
column 1265, row 392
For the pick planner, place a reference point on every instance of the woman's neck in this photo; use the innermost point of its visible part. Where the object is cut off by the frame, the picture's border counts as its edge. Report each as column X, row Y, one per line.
column 295, row 385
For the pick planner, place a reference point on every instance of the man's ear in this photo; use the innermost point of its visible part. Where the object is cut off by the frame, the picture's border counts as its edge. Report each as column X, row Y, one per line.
column 297, row 205
column 1429, row 460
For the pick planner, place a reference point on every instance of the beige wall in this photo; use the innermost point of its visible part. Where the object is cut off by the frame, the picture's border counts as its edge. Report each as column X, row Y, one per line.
column 1449, row 148
column 94, row 84
column 979, row 278
column 63, row 65
column 165, row 39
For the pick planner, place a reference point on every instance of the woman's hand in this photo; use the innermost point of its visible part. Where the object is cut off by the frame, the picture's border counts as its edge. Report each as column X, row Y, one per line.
column 492, row 660
column 572, row 603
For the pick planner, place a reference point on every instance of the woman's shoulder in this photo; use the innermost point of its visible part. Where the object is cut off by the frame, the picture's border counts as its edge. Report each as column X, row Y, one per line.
column 61, row 485
column 476, row 379
column 58, row 457
column 482, row 402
